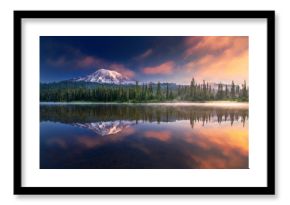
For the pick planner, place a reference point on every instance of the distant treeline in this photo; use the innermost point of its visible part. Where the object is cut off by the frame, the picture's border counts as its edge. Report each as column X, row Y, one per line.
column 68, row 91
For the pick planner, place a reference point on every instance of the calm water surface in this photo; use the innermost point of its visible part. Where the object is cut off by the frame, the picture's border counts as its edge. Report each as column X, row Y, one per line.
column 143, row 137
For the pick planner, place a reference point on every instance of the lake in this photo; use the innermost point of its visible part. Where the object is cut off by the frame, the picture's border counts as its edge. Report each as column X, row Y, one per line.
column 140, row 136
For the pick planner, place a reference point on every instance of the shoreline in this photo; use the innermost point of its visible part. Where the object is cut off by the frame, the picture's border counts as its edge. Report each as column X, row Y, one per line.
column 228, row 104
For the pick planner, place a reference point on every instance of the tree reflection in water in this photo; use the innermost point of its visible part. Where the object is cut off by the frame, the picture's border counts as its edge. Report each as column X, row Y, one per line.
column 148, row 113
column 126, row 136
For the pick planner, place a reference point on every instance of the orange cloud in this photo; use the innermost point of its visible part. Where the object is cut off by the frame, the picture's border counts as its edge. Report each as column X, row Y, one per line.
column 221, row 59
column 160, row 135
column 211, row 44
column 232, row 142
column 88, row 62
column 92, row 142
column 164, row 68
column 58, row 141
column 144, row 55
column 122, row 69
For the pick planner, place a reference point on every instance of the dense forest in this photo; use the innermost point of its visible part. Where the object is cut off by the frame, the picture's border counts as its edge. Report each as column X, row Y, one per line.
column 68, row 91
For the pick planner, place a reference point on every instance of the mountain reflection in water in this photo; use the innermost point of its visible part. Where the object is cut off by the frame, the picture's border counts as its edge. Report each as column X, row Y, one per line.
column 105, row 128
column 106, row 136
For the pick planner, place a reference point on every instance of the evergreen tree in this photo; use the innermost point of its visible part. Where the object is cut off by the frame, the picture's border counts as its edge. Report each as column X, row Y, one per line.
column 233, row 90
column 238, row 90
column 226, row 92
column 204, row 90
column 244, row 92
column 192, row 89
column 167, row 91
column 158, row 92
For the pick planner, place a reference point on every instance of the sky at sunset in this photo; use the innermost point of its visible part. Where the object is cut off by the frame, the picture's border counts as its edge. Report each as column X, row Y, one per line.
column 146, row 58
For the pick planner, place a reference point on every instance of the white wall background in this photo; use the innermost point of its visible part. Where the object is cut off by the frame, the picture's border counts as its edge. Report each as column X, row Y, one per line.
column 282, row 98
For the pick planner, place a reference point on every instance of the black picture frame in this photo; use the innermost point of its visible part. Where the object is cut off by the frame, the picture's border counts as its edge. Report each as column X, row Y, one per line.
column 268, row 190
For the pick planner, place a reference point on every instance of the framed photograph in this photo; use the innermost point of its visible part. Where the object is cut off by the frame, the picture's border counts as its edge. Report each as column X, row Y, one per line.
column 144, row 102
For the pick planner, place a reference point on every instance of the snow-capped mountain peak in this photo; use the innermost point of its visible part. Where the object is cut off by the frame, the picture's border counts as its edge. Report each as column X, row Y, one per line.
column 106, row 76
